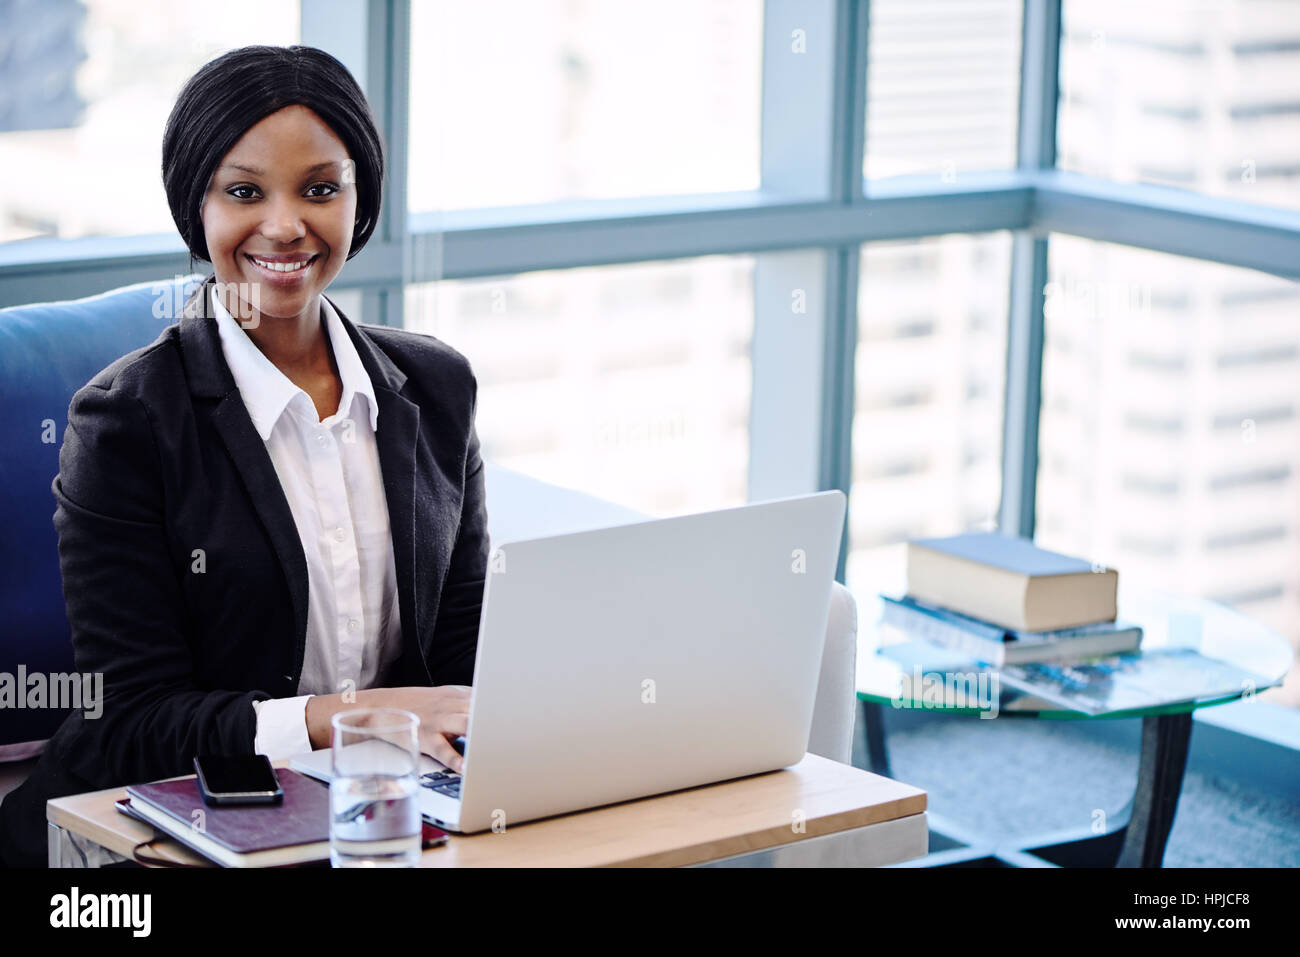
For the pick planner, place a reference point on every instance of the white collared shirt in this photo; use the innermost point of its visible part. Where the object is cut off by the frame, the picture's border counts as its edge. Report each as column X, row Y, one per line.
column 329, row 469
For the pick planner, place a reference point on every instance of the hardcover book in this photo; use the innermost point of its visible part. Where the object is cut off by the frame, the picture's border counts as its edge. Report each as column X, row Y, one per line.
column 1010, row 582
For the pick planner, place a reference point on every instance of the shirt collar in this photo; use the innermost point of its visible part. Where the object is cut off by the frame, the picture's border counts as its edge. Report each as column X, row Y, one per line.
column 267, row 391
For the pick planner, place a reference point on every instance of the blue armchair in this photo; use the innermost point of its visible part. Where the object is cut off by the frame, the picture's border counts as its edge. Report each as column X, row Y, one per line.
column 47, row 352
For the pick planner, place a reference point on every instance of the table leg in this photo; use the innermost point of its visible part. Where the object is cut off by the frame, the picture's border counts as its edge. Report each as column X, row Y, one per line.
column 1165, row 742
column 873, row 732
column 67, row 849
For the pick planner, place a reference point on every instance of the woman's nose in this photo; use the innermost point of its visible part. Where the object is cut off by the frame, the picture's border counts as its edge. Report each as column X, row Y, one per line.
column 283, row 223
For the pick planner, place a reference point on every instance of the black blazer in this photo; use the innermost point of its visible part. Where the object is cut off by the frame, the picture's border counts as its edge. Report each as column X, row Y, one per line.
column 159, row 461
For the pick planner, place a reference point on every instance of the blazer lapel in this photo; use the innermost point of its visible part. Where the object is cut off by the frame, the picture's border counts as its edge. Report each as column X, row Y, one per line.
column 396, row 438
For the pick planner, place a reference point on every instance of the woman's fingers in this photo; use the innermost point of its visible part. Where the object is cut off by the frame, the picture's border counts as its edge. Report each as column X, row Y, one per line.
column 440, row 729
column 443, row 714
column 439, row 747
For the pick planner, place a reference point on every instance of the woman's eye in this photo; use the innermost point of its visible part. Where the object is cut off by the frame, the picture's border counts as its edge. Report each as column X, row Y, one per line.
column 329, row 186
column 235, row 191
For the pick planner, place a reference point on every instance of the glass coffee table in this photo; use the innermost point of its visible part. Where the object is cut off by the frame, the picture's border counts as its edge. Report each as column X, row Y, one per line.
column 1137, row 835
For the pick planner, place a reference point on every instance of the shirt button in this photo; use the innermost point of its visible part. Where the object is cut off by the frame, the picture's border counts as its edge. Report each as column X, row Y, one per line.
column 321, row 439
column 338, row 534
column 353, row 624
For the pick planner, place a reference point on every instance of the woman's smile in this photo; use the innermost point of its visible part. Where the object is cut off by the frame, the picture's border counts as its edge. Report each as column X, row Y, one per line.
column 284, row 272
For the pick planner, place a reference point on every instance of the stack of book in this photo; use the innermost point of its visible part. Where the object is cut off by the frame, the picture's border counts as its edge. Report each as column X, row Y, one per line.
column 1047, row 624
column 1005, row 601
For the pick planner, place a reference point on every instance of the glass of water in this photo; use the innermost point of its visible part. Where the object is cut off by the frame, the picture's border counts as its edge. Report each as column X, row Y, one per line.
column 374, row 788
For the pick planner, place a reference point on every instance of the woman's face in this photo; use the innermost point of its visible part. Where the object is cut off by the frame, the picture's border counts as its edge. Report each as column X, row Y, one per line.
column 285, row 194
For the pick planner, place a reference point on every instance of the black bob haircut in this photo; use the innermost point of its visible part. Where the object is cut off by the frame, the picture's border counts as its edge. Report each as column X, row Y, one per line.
column 237, row 90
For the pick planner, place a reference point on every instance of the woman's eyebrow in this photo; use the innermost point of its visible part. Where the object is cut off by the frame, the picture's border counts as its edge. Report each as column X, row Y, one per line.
column 261, row 172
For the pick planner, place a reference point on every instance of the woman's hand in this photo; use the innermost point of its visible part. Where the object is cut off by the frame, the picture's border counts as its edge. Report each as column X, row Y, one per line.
column 443, row 714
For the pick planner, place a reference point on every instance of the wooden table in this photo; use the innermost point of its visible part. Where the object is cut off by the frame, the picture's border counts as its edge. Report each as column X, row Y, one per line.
column 816, row 811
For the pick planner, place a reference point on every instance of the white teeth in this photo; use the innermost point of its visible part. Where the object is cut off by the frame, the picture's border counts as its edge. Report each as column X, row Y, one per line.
column 280, row 267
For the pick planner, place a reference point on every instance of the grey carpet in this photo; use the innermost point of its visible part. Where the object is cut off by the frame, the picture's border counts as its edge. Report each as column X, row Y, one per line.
column 1010, row 778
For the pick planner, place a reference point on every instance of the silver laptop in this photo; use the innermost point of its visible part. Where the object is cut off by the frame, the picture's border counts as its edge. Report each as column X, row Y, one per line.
column 623, row 662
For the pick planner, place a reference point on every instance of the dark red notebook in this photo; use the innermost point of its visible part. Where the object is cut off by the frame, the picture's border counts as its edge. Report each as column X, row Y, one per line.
column 263, row 835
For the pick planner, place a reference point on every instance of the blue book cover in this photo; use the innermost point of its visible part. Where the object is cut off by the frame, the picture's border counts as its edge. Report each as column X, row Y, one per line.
column 996, row 645
column 1007, row 552
column 978, row 628
column 991, row 632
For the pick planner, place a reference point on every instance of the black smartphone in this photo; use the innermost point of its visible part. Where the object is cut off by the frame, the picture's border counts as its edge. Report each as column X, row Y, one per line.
column 237, row 779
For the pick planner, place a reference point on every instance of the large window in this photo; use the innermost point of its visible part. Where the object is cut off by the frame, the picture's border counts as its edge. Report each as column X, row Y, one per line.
column 629, row 382
column 87, row 89
column 942, row 83
column 927, row 425
column 1197, row 94
column 1170, row 430
column 621, row 99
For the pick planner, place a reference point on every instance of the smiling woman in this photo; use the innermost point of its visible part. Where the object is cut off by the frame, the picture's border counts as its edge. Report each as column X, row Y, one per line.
column 277, row 223
column 272, row 513
column 226, row 100
column 285, row 219
column 273, row 169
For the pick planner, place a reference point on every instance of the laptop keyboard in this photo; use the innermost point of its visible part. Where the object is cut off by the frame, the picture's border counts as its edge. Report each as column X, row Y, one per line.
column 442, row 782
